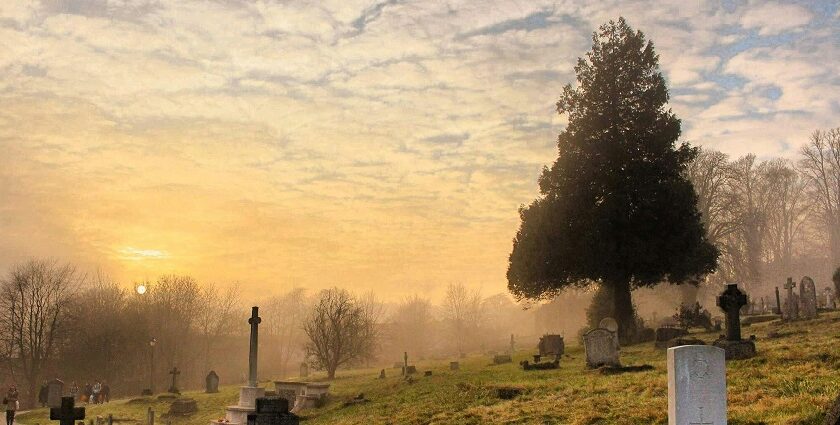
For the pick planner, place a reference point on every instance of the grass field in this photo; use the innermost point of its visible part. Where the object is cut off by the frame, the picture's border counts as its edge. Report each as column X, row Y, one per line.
column 793, row 380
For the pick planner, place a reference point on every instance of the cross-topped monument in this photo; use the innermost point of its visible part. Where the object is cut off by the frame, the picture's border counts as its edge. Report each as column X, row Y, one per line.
column 254, row 321
column 730, row 301
column 791, row 311
column 67, row 414
column 174, row 387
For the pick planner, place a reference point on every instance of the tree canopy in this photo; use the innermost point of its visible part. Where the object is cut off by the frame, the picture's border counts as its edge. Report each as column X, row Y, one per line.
column 615, row 207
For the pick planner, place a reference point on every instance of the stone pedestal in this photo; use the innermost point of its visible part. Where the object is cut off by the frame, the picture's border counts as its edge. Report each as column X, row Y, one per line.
column 238, row 414
column 736, row 350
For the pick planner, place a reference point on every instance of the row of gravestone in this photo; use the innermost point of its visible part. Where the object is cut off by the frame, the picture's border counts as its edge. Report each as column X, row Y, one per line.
column 803, row 306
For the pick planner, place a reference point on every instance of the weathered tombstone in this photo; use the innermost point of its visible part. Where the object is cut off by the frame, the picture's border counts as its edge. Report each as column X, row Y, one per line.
column 55, row 390
column 696, row 385
column 182, row 407
column 67, row 414
column 551, row 345
column 778, row 302
column 238, row 414
column 304, row 370
column 174, row 387
column 454, row 366
column 272, row 411
column 211, row 382
column 609, row 324
column 807, row 298
column 730, row 301
column 601, row 348
column 382, row 374
column 410, row 370
column 791, row 307
column 502, row 358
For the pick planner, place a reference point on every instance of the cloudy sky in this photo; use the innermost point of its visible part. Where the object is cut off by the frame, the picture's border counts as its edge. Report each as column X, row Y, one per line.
column 374, row 145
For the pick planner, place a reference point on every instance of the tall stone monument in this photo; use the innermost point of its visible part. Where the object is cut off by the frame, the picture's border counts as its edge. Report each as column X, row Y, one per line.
column 248, row 394
column 790, row 311
column 696, row 385
column 807, row 298
column 730, row 301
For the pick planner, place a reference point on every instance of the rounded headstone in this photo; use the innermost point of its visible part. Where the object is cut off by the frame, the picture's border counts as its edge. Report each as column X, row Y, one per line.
column 609, row 324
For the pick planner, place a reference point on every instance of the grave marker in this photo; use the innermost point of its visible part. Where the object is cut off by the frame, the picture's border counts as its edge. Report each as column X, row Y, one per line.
column 807, row 298
column 601, row 348
column 174, row 387
column 67, row 414
column 696, row 385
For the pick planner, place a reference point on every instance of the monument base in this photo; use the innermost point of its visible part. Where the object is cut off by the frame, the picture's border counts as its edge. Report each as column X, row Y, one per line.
column 238, row 415
column 736, row 350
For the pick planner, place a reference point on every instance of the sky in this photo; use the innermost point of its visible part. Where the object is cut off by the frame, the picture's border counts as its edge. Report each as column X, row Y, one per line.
column 373, row 145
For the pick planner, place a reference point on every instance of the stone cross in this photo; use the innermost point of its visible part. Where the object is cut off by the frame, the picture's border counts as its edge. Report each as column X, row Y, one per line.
column 254, row 321
column 67, row 414
column 174, row 372
column 791, row 305
column 731, row 301
column 696, row 385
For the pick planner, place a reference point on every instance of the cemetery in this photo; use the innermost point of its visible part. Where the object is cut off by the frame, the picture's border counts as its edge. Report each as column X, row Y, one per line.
column 790, row 379
column 419, row 212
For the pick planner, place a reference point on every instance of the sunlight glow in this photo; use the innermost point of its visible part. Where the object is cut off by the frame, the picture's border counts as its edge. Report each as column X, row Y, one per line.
column 136, row 254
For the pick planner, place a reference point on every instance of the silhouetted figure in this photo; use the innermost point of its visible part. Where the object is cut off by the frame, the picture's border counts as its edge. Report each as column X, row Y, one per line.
column 42, row 394
column 97, row 391
column 74, row 391
column 12, row 404
column 106, row 392
column 87, row 393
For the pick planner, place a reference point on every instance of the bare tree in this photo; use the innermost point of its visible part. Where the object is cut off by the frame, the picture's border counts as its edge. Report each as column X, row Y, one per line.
column 216, row 316
column 33, row 304
column 787, row 215
column 462, row 311
column 821, row 164
column 284, row 316
column 411, row 322
column 339, row 330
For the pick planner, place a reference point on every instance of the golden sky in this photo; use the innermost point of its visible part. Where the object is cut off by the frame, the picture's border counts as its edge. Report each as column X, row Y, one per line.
column 371, row 145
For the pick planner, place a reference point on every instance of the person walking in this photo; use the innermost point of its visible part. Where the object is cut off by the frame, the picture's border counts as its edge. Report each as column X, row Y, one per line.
column 43, row 394
column 12, row 404
column 74, row 391
column 106, row 392
column 97, row 391
column 87, row 392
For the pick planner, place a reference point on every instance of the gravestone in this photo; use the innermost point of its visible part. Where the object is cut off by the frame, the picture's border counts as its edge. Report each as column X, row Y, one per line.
column 382, row 374
column 248, row 394
column 730, row 301
column 272, row 411
column 211, row 382
column 502, row 358
column 551, row 345
column 410, row 370
column 304, row 370
column 55, row 390
column 807, row 298
column 289, row 390
column 778, row 309
column 696, row 385
column 454, row 366
column 601, row 348
column 829, row 299
column 174, row 387
column 182, row 407
column 790, row 311
column 609, row 324
column 67, row 414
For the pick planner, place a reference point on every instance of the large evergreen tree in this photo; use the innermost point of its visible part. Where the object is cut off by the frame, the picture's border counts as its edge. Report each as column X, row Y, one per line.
column 615, row 208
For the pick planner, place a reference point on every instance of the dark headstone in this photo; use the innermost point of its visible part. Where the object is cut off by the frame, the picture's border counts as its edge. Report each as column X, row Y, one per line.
column 211, row 383
column 272, row 411
column 551, row 345
column 730, row 301
column 382, row 374
column 427, row 373
column 410, row 370
column 174, row 387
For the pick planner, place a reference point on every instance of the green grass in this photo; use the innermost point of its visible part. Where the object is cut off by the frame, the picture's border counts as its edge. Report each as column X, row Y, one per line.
column 793, row 380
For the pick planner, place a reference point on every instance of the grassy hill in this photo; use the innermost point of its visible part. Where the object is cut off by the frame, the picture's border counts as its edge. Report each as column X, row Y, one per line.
column 793, row 379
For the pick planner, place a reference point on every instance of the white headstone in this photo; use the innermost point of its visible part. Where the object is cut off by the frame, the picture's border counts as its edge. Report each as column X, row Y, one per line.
column 696, row 385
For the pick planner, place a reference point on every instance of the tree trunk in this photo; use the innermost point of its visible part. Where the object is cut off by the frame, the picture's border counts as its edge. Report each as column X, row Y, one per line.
column 623, row 304
column 331, row 372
